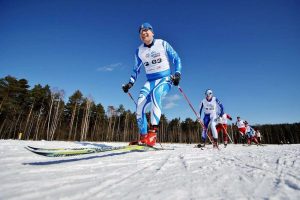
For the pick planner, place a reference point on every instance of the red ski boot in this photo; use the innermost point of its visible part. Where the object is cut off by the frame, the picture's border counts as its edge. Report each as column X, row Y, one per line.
column 151, row 137
column 142, row 140
column 148, row 139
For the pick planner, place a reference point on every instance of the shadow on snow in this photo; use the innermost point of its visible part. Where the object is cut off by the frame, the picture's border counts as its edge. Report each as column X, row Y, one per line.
column 54, row 162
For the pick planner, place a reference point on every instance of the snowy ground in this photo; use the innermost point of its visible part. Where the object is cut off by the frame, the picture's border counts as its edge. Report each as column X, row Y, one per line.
column 237, row 172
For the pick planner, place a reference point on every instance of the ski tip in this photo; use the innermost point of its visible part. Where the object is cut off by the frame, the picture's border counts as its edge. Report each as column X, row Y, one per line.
column 31, row 147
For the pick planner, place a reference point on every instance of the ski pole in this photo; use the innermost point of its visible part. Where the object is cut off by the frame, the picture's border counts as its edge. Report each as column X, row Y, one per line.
column 129, row 94
column 227, row 133
column 198, row 118
column 186, row 98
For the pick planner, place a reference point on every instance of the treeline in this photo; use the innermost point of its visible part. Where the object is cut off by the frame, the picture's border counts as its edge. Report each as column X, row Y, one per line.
column 41, row 113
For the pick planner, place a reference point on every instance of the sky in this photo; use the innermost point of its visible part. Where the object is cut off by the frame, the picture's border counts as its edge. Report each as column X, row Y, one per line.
column 247, row 52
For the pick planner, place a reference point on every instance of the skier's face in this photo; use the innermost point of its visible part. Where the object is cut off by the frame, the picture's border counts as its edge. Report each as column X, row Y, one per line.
column 209, row 97
column 146, row 36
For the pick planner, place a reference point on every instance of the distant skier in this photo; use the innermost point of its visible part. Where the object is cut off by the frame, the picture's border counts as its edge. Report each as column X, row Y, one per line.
column 222, row 126
column 258, row 135
column 156, row 55
column 250, row 132
column 242, row 128
column 213, row 108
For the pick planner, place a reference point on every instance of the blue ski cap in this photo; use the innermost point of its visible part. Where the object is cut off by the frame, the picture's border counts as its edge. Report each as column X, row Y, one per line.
column 145, row 25
column 208, row 92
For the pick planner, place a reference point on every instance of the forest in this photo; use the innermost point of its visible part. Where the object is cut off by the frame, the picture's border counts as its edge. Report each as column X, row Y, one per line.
column 40, row 113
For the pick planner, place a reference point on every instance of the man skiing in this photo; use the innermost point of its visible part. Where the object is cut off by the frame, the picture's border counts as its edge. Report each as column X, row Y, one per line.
column 250, row 132
column 222, row 126
column 213, row 108
column 156, row 55
column 258, row 135
column 242, row 129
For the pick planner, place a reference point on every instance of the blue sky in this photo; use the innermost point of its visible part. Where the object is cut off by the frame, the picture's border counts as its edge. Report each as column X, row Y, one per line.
column 247, row 52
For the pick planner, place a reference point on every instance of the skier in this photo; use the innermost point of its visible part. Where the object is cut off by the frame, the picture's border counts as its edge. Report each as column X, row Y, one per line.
column 222, row 126
column 258, row 135
column 242, row 129
column 156, row 55
column 211, row 106
column 250, row 132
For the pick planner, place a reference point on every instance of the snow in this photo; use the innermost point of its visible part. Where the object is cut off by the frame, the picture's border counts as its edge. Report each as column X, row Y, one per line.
column 235, row 172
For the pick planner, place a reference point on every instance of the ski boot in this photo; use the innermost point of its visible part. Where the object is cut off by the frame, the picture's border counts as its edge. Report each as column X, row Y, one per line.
column 151, row 136
column 215, row 143
column 225, row 144
column 141, row 141
column 201, row 145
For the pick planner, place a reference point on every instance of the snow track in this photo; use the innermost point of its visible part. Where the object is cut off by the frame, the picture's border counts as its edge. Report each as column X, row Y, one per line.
column 236, row 172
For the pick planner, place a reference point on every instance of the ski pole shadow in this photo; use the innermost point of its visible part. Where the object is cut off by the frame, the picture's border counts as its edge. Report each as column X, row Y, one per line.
column 54, row 162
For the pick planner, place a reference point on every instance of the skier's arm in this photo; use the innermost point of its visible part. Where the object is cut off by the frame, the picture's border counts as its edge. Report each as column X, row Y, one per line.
column 173, row 57
column 136, row 68
column 201, row 109
column 136, row 71
column 221, row 107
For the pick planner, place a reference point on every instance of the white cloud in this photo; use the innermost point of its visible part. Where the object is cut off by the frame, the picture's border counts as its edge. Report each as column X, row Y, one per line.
column 170, row 105
column 171, row 101
column 109, row 68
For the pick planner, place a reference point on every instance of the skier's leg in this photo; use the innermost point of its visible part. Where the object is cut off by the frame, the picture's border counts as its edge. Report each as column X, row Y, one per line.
column 143, row 102
column 225, row 136
column 213, row 128
column 206, row 121
column 161, row 88
column 255, row 140
column 214, row 131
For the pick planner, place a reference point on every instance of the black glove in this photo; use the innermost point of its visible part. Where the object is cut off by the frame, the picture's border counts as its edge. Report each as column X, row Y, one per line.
column 127, row 87
column 176, row 79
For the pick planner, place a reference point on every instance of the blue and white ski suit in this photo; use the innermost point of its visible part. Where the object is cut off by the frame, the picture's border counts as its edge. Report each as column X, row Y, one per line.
column 156, row 59
column 212, row 109
column 250, row 131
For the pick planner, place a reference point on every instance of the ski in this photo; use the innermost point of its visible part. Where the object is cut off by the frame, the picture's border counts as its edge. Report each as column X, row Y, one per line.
column 64, row 152
column 64, row 149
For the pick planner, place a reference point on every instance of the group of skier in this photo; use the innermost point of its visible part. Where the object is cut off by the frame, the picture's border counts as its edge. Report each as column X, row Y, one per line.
column 157, row 55
column 247, row 132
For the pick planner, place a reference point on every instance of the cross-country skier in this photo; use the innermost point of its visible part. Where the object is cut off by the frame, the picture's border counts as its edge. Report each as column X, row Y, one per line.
column 258, row 135
column 222, row 126
column 250, row 132
column 156, row 55
column 213, row 109
column 242, row 128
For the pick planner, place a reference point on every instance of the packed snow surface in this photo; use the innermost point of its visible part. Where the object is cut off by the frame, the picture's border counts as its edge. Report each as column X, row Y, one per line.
column 235, row 172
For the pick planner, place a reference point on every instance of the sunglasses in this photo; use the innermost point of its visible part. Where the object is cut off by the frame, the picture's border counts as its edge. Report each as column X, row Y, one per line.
column 145, row 29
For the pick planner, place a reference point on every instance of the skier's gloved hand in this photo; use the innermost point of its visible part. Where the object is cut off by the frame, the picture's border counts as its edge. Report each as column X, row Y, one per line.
column 127, row 87
column 221, row 115
column 176, row 79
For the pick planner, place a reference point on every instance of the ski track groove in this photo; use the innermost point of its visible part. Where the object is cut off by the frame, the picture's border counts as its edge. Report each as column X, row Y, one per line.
column 132, row 176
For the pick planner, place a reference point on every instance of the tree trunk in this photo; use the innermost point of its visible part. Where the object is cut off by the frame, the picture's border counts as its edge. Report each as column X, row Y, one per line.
column 72, row 121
